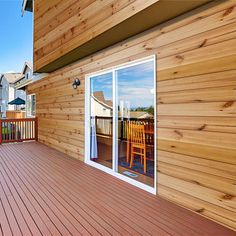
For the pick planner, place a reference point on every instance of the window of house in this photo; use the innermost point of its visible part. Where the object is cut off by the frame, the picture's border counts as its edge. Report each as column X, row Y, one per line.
column 28, row 75
column 30, row 105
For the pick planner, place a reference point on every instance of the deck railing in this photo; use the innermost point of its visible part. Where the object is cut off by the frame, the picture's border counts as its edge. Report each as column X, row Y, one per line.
column 18, row 130
column 104, row 127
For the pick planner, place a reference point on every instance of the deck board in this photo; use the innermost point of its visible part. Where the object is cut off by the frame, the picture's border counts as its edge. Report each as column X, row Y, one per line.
column 44, row 192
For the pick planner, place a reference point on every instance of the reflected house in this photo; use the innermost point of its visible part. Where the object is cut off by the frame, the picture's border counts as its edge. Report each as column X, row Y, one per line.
column 100, row 106
column 101, row 111
column 140, row 115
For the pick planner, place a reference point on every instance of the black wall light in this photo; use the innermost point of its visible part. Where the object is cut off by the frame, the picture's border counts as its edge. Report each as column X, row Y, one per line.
column 76, row 83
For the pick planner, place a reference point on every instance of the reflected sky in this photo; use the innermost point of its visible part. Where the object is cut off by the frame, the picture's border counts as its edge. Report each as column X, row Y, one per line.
column 102, row 83
column 135, row 85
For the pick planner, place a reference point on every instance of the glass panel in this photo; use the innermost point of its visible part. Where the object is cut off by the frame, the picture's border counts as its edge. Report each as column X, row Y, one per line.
column 101, row 119
column 135, row 101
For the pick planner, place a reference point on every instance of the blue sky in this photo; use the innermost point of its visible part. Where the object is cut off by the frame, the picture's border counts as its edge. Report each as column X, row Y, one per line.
column 135, row 85
column 16, row 43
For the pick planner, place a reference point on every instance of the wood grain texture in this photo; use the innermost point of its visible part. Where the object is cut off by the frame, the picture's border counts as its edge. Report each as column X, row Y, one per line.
column 196, row 68
column 45, row 192
column 61, row 26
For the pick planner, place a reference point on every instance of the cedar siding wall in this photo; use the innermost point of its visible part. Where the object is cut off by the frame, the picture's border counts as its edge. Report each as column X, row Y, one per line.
column 196, row 63
column 60, row 26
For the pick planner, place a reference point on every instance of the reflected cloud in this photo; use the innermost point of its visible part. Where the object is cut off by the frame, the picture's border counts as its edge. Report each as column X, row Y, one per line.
column 135, row 84
column 102, row 83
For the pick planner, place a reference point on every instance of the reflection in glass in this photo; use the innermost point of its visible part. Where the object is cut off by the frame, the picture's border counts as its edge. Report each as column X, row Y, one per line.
column 135, row 101
column 101, row 119
column 133, row 109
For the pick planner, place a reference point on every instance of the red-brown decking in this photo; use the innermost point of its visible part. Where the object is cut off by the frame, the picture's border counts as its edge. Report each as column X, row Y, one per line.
column 43, row 192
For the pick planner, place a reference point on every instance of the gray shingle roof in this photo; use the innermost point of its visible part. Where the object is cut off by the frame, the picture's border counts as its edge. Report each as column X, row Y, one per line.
column 12, row 77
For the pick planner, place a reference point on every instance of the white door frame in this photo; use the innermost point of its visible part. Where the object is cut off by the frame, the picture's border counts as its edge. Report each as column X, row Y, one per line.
column 112, row 171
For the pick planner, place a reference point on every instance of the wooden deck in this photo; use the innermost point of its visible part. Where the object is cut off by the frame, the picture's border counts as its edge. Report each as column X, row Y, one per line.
column 44, row 192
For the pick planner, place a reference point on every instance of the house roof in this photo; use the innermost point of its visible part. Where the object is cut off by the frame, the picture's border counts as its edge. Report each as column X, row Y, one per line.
column 27, row 64
column 99, row 96
column 27, row 5
column 140, row 114
column 12, row 77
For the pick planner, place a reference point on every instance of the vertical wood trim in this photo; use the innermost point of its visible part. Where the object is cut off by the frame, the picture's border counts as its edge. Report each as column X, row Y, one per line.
column 36, row 128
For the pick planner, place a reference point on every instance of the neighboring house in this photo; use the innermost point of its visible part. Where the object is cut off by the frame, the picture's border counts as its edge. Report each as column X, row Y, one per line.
column 26, row 76
column 9, row 92
column 13, row 85
column 176, row 56
column 100, row 106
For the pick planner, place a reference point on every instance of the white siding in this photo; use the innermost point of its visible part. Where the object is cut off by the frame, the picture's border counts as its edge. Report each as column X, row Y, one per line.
column 97, row 109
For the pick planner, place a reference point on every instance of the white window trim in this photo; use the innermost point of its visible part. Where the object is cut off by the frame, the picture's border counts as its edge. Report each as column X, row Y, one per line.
column 26, row 110
column 112, row 172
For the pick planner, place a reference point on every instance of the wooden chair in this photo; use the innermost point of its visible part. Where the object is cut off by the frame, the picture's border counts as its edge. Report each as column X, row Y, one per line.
column 136, row 143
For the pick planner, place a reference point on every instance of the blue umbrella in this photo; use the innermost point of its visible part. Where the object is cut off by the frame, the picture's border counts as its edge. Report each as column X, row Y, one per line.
column 17, row 101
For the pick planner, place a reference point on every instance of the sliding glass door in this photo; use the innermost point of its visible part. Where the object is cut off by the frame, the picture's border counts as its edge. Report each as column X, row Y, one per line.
column 122, row 122
column 135, row 104
column 101, row 119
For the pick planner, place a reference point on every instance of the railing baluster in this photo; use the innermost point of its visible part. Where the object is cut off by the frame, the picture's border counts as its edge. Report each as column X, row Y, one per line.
column 31, row 124
column 16, row 134
column 15, row 131
column 5, row 131
column 26, row 130
column 11, row 128
column 1, row 131
column 26, row 134
column 36, row 128
column 20, row 130
column 10, row 125
column 30, row 129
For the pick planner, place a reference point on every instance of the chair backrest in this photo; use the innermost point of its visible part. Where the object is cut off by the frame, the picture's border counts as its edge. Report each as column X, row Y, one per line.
column 136, row 133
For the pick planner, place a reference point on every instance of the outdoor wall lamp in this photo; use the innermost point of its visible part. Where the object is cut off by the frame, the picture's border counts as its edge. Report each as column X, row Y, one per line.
column 76, row 83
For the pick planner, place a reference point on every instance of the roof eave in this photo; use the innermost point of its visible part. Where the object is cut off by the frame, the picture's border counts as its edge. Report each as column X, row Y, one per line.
column 26, row 6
